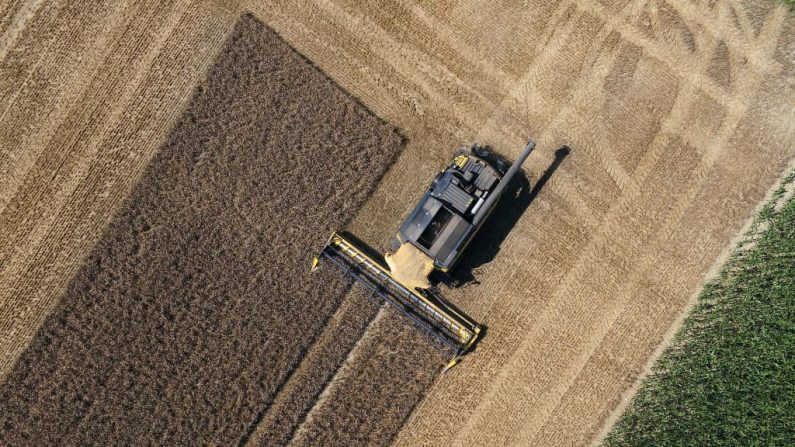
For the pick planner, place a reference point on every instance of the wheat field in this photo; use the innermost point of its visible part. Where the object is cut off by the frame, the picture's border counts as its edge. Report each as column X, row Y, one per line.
column 678, row 116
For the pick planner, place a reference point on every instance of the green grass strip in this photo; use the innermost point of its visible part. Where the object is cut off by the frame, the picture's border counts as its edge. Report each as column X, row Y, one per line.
column 729, row 376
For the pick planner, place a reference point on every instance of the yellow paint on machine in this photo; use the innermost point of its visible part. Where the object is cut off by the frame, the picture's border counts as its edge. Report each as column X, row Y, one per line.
column 445, row 319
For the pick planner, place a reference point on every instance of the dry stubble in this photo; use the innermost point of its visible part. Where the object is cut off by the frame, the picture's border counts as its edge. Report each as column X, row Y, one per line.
column 678, row 115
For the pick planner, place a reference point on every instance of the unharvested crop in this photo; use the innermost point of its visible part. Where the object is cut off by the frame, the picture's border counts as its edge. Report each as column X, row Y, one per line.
column 196, row 304
column 277, row 423
column 375, row 393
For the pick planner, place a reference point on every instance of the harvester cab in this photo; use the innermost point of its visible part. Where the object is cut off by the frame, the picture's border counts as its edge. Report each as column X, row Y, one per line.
column 433, row 237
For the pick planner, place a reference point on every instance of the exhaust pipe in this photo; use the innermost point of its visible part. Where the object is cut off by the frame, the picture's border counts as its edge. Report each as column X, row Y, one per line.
column 495, row 195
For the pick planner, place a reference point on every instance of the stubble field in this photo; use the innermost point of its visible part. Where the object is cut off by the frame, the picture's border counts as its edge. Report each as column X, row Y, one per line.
column 678, row 119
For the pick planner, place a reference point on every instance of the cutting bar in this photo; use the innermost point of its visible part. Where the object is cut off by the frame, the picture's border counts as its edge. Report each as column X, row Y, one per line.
column 426, row 308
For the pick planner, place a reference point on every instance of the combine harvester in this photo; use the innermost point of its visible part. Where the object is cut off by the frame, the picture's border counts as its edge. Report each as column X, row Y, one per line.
column 433, row 237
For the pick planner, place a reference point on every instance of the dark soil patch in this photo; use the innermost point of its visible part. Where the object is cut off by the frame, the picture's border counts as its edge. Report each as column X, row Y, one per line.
column 195, row 304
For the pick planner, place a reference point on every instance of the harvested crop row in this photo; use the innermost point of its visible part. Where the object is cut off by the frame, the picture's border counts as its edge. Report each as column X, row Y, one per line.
column 195, row 304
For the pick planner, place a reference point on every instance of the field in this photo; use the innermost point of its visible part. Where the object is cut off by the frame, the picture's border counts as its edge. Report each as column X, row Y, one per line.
column 185, row 320
column 677, row 116
column 726, row 378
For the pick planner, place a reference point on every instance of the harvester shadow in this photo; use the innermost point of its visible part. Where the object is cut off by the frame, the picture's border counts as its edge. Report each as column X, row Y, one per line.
column 486, row 244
